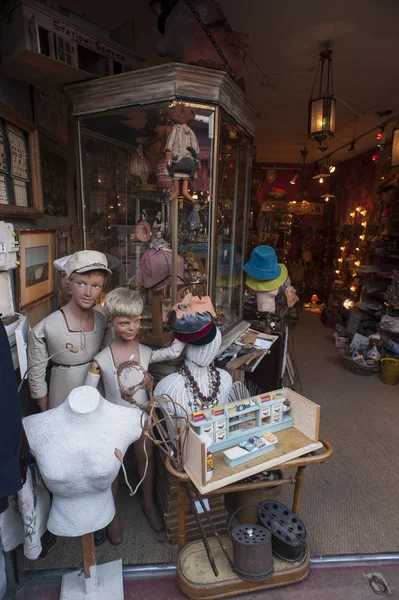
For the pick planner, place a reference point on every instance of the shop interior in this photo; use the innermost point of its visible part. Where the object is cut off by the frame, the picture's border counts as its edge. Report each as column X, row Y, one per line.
column 291, row 157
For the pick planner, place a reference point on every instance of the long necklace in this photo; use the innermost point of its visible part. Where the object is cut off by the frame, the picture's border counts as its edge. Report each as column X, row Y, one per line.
column 214, row 385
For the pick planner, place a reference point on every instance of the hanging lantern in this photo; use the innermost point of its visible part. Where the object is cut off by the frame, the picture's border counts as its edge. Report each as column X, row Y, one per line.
column 395, row 148
column 321, row 124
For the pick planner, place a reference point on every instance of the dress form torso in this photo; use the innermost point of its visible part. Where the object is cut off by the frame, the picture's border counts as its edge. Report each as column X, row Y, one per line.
column 198, row 358
column 74, row 446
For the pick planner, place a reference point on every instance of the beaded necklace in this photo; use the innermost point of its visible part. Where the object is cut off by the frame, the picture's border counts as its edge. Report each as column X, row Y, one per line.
column 214, row 386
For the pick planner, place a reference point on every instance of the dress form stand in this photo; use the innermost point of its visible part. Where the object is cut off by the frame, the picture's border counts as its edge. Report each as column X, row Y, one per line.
column 79, row 447
column 99, row 582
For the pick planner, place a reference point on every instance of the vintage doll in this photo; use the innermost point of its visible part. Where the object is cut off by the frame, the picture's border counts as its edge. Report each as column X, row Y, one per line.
column 182, row 150
column 139, row 166
column 155, row 266
column 71, row 336
column 194, row 224
column 124, row 309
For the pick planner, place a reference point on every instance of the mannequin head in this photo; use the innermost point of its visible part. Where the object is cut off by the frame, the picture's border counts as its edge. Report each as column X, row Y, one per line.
column 87, row 271
column 192, row 320
column 266, row 301
column 124, row 307
column 181, row 114
column 85, row 288
column 191, row 306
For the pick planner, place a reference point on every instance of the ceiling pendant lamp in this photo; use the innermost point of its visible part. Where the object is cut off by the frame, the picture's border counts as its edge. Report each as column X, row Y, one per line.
column 321, row 124
column 395, row 148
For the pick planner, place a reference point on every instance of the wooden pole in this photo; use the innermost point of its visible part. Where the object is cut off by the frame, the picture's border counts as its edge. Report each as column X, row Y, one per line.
column 299, row 477
column 175, row 229
column 89, row 553
column 181, row 516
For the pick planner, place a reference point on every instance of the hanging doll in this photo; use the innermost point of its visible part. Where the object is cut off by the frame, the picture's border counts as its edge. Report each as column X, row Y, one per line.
column 139, row 165
column 182, row 150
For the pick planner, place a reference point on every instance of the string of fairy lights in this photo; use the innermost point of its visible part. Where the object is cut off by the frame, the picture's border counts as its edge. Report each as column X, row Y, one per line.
column 351, row 250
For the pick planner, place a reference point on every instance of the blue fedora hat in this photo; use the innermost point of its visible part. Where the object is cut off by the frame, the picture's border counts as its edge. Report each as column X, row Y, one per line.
column 263, row 264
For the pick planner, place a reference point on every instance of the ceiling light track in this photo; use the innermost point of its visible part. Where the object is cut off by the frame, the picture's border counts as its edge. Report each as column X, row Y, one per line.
column 354, row 140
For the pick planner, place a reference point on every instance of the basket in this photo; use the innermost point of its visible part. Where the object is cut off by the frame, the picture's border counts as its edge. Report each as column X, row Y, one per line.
column 389, row 371
column 354, row 367
column 249, row 513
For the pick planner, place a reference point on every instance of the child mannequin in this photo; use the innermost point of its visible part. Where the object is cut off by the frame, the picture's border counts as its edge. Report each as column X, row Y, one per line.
column 75, row 327
column 124, row 308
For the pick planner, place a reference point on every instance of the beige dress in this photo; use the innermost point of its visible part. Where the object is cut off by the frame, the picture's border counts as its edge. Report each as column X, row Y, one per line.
column 109, row 372
column 68, row 370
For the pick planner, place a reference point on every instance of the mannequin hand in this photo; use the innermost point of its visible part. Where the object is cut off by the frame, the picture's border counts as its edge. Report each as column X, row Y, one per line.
column 95, row 368
column 43, row 403
column 168, row 158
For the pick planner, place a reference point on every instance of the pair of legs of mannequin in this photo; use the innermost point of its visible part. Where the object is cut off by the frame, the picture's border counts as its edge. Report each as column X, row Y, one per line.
column 176, row 190
column 114, row 529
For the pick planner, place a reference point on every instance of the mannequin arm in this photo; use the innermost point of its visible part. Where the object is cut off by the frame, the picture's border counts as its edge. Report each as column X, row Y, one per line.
column 43, row 403
column 169, row 353
column 93, row 376
column 37, row 365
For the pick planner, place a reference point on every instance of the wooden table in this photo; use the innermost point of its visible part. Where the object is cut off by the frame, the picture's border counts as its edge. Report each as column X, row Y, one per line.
column 299, row 464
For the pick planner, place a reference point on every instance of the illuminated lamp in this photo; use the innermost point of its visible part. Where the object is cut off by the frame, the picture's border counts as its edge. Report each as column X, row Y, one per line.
column 321, row 122
column 395, row 148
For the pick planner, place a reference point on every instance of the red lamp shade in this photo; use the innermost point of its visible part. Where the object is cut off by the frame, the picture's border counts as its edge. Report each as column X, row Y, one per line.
column 314, row 298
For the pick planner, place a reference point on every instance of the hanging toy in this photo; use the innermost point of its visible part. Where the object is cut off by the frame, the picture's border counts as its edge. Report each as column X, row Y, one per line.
column 182, row 150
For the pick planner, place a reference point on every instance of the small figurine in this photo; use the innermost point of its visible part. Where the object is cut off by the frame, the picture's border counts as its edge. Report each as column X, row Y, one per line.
column 143, row 229
column 182, row 150
column 139, row 165
column 194, row 222
column 157, row 224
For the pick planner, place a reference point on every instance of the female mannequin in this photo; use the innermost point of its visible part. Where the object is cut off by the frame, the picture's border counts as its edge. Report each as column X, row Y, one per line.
column 76, row 325
column 124, row 308
column 198, row 384
column 74, row 446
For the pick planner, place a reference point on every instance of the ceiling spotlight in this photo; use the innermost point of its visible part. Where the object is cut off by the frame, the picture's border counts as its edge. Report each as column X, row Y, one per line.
column 328, row 169
column 321, row 180
column 294, row 178
column 351, row 147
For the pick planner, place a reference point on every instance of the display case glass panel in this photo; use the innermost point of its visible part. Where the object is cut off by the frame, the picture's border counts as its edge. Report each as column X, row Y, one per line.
column 127, row 210
column 233, row 159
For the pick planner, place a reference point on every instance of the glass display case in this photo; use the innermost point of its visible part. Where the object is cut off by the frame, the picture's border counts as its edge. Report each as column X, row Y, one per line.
column 164, row 185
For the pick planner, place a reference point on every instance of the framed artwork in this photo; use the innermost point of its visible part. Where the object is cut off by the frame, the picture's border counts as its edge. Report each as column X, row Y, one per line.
column 36, row 280
column 20, row 173
column 54, row 180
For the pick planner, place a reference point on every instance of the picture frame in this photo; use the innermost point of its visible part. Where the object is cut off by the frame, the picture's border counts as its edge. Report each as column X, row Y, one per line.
column 20, row 170
column 36, row 277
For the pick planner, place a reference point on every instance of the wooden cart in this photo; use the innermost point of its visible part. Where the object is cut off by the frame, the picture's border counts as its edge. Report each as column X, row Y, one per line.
column 194, row 575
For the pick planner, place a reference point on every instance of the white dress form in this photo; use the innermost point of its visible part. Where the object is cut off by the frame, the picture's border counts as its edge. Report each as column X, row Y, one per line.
column 74, row 445
column 198, row 358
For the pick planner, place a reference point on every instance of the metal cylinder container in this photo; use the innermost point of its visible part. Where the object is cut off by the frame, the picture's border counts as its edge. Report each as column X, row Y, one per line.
column 252, row 550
